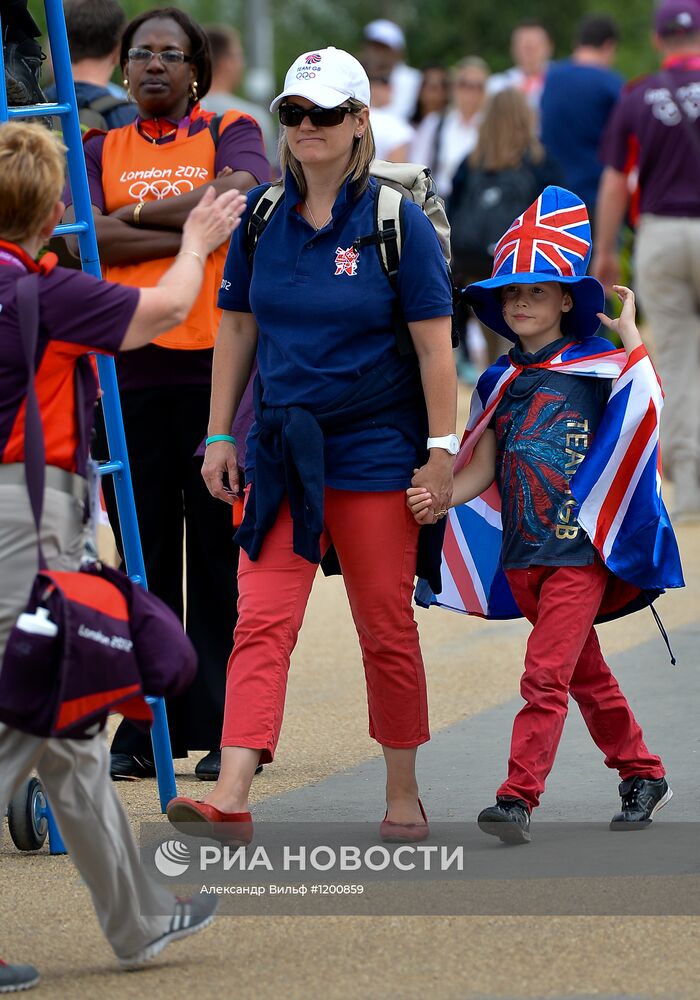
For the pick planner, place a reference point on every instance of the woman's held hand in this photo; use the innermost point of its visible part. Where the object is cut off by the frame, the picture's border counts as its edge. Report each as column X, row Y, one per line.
column 220, row 464
column 436, row 476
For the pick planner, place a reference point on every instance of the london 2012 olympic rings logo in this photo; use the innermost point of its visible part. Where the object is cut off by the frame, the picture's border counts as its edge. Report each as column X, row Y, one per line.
column 306, row 74
column 159, row 189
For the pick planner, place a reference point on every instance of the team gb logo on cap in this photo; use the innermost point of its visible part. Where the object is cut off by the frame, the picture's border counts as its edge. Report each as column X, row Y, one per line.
column 310, row 68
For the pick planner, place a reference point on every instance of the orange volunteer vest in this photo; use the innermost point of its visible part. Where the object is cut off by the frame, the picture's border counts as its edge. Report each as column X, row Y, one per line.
column 135, row 169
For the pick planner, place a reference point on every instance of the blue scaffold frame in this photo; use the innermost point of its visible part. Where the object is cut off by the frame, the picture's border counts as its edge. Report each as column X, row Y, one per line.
column 66, row 108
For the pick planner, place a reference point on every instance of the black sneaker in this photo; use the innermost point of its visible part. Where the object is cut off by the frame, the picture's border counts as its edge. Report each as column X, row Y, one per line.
column 23, row 61
column 129, row 767
column 14, row 978
column 209, row 766
column 509, row 820
column 641, row 799
column 191, row 915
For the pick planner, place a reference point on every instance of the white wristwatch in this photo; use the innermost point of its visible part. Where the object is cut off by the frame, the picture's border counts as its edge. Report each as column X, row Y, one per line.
column 450, row 443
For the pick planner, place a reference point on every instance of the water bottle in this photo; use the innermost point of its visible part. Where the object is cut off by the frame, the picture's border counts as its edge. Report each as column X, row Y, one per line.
column 37, row 624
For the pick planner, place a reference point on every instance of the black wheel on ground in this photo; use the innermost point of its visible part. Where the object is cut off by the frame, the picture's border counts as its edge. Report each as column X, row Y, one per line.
column 26, row 821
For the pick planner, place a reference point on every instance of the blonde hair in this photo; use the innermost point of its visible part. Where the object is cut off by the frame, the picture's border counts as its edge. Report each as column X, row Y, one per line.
column 507, row 135
column 32, row 176
column 361, row 156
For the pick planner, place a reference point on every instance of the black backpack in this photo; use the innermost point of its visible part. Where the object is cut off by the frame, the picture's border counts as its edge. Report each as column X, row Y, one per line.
column 488, row 203
column 92, row 113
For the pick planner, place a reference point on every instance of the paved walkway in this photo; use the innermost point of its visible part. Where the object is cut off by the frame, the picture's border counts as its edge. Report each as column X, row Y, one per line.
column 463, row 764
column 327, row 767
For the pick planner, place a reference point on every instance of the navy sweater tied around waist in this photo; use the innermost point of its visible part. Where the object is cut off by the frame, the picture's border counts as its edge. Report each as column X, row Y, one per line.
column 289, row 459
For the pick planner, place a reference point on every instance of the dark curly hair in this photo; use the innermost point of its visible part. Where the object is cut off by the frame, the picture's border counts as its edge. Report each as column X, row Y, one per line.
column 201, row 50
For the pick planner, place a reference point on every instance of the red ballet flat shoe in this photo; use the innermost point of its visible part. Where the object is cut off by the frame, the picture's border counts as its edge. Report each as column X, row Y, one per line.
column 404, row 833
column 199, row 819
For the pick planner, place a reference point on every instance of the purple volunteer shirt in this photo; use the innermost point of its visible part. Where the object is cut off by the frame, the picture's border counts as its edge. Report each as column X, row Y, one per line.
column 240, row 147
column 650, row 116
column 78, row 313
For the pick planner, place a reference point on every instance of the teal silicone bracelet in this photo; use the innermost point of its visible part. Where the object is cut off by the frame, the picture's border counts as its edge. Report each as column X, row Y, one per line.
column 220, row 437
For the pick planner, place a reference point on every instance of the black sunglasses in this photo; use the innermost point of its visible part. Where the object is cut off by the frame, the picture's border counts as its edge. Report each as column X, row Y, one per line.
column 292, row 115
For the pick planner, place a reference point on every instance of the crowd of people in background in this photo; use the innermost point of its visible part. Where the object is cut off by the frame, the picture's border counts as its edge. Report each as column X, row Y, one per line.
column 432, row 116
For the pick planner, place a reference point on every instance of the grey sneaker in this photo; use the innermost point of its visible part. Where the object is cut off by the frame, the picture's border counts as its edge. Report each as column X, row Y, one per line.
column 191, row 915
column 14, row 978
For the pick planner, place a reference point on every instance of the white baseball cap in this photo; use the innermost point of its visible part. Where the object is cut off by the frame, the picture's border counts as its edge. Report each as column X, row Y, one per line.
column 327, row 77
column 386, row 33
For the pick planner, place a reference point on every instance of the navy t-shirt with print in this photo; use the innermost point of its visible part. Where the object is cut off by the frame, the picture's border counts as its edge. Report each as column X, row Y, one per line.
column 544, row 425
column 325, row 317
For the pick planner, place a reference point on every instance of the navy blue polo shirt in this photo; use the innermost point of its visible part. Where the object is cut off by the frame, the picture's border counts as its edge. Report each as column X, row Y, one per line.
column 577, row 101
column 324, row 315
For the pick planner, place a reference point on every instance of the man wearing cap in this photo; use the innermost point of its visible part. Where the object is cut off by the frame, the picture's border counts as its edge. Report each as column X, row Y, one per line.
column 658, row 116
column 386, row 42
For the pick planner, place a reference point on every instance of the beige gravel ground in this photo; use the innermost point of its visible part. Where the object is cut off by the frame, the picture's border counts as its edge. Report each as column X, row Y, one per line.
column 47, row 917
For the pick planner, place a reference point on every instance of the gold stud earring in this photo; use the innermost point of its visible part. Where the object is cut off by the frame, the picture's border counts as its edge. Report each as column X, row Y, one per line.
column 193, row 90
column 129, row 95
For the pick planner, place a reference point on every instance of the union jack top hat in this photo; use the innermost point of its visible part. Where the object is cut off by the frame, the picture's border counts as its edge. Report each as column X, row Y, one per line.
column 551, row 241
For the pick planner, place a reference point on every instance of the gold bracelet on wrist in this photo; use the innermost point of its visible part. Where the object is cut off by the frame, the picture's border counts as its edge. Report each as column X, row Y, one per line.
column 194, row 254
column 137, row 213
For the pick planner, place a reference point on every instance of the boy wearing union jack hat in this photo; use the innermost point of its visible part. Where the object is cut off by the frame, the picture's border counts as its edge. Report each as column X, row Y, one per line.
column 558, row 512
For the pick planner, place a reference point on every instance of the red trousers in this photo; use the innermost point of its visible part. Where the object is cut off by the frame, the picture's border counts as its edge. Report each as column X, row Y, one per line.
column 376, row 539
column 563, row 657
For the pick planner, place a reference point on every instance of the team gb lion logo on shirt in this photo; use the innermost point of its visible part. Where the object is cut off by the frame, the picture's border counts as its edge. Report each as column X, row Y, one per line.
column 346, row 261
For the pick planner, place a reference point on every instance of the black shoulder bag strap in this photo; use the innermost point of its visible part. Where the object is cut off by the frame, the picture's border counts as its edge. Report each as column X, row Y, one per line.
column 27, row 290
column 27, row 298
column 215, row 129
column 437, row 141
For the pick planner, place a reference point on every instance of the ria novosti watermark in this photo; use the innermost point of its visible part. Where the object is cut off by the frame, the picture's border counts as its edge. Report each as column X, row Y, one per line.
column 329, row 868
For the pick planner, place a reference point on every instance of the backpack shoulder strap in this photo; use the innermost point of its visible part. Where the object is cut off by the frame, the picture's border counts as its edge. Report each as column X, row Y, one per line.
column 215, row 129
column 387, row 236
column 92, row 113
column 263, row 210
column 219, row 123
column 387, row 207
column 103, row 105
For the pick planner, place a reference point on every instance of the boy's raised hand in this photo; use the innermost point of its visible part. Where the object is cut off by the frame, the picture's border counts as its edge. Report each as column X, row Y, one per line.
column 625, row 325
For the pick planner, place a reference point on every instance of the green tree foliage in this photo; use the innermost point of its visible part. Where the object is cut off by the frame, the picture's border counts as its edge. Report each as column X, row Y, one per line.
column 437, row 30
column 446, row 30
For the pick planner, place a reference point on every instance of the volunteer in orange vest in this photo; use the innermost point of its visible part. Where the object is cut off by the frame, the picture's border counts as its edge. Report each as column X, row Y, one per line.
column 144, row 180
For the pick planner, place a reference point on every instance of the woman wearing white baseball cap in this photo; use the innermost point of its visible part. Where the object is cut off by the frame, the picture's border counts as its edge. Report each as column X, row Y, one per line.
column 341, row 425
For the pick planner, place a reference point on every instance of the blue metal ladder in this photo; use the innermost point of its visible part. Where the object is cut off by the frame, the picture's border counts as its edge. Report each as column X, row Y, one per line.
column 66, row 108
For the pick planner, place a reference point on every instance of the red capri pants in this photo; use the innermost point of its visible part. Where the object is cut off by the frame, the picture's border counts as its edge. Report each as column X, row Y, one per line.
column 376, row 539
column 563, row 657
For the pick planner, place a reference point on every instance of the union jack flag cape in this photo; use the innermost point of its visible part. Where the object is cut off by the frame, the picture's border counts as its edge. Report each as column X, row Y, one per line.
column 617, row 487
